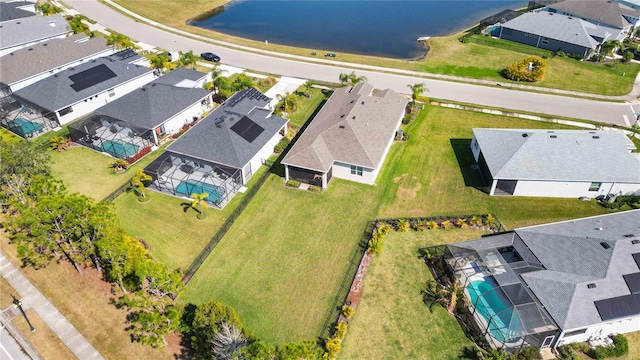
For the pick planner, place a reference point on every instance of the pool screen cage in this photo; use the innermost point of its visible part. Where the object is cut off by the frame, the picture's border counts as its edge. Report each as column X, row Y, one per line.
column 24, row 119
column 116, row 137
column 181, row 176
column 506, row 312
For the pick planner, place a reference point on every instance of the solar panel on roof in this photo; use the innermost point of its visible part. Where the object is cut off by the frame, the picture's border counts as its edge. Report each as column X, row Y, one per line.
column 247, row 129
column 125, row 54
column 636, row 257
column 618, row 307
column 90, row 77
column 633, row 282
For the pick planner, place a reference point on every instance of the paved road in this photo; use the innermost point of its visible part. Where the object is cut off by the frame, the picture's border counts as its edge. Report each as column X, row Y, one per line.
column 9, row 348
column 607, row 112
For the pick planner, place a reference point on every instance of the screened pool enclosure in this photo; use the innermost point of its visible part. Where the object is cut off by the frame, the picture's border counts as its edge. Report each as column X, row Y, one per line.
column 182, row 176
column 25, row 120
column 505, row 311
column 115, row 137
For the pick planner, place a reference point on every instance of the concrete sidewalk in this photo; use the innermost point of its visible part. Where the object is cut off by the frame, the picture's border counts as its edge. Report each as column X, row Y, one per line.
column 47, row 312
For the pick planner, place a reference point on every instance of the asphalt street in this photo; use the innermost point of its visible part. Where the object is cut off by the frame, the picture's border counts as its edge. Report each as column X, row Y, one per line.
column 501, row 97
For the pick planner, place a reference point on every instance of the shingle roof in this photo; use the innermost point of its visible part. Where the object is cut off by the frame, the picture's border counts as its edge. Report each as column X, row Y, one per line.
column 48, row 55
column 354, row 126
column 153, row 104
column 55, row 92
column 12, row 10
column 212, row 139
column 178, row 75
column 30, row 29
column 607, row 12
column 567, row 29
column 573, row 155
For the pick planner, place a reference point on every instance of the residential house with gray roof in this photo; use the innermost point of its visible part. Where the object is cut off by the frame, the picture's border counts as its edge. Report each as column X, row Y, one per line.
column 613, row 14
column 349, row 138
column 28, row 65
column 556, row 163
column 554, row 32
column 551, row 284
column 70, row 94
column 14, row 10
column 221, row 152
column 141, row 118
column 23, row 32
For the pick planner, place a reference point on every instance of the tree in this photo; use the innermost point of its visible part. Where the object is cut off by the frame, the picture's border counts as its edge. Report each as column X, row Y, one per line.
column 242, row 82
column 159, row 61
column 417, row 89
column 120, row 41
column 607, row 47
column 351, row 79
column 188, row 59
column 119, row 165
column 202, row 322
column 529, row 69
column 287, row 103
column 21, row 164
column 59, row 143
column 47, row 8
column 216, row 73
column 227, row 342
column 438, row 294
column 199, row 203
column 137, row 182
column 307, row 87
column 78, row 26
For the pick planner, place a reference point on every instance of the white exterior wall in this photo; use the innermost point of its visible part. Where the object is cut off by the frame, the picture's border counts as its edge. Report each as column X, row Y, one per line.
column 569, row 189
column 174, row 124
column 343, row 171
column 605, row 329
column 84, row 107
column 28, row 81
column 9, row 50
column 263, row 154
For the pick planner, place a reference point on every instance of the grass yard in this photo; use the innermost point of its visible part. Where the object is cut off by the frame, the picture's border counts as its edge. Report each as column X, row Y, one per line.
column 43, row 340
column 175, row 236
column 447, row 55
column 8, row 136
column 281, row 263
column 88, row 172
column 85, row 300
column 307, row 106
column 392, row 321
column 431, row 174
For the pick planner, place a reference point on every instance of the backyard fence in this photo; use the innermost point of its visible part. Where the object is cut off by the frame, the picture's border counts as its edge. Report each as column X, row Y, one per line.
column 117, row 192
column 510, row 45
column 347, row 280
column 195, row 265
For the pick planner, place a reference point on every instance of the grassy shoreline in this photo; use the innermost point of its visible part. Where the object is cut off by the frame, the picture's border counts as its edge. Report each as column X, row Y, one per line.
column 447, row 55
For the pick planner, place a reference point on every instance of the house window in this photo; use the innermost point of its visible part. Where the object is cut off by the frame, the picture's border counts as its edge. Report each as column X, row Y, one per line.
column 112, row 93
column 575, row 332
column 65, row 111
column 545, row 40
column 356, row 170
column 595, row 186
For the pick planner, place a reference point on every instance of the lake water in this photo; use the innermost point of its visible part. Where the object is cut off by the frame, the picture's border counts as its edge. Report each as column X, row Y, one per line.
column 382, row 28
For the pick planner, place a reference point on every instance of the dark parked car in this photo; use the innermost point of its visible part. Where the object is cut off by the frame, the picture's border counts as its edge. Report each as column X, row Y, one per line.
column 210, row 57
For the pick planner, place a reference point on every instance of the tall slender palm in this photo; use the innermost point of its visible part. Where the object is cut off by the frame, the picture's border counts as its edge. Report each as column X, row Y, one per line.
column 288, row 102
column 307, row 86
column 138, row 180
column 119, row 41
column 199, row 202
column 417, row 89
column 351, row 79
column 188, row 59
column 216, row 73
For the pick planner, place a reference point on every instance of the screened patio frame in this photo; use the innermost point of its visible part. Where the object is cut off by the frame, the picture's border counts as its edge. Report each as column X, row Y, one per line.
column 508, row 314
column 24, row 119
column 118, row 138
column 174, row 173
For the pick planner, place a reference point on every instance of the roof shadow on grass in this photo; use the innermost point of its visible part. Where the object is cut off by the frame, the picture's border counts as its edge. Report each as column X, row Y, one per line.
column 467, row 164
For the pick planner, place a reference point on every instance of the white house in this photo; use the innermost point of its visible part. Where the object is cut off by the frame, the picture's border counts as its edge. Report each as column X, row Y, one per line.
column 553, row 284
column 31, row 64
column 141, row 117
column 556, row 163
column 221, row 152
column 19, row 33
column 77, row 91
column 349, row 138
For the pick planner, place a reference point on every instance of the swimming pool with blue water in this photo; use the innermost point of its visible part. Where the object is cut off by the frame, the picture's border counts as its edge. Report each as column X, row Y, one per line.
column 504, row 324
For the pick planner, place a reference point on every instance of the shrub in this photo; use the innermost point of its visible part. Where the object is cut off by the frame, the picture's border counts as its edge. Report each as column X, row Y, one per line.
column 293, row 183
column 383, row 229
column 475, row 220
column 375, row 245
column 314, row 188
column 490, row 220
column 348, row 311
column 431, row 225
column 446, row 224
column 281, row 145
column 139, row 155
column 341, row 330
column 465, row 39
column 620, row 347
column 529, row 69
column 576, row 56
column 560, row 54
column 402, row 225
column 333, row 347
column 565, row 352
column 627, row 56
column 461, row 223
column 528, row 353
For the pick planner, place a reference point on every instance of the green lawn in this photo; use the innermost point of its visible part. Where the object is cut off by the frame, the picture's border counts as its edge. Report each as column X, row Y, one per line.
column 281, row 263
column 305, row 107
column 392, row 321
column 8, row 136
column 88, row 172
column 175, row 236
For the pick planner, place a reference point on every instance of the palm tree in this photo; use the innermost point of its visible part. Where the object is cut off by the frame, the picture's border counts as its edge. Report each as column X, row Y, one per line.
column 216, row 73
column 242, row 82
column 59, row 143
column 159, row 61
column 417, row 89
column 351, row 79
column 137, row 182
column 120, row 41
column 119, row 165
column 438, row 294
column 199, row 201
column 607, row 47
column 188, row 59
column 288, row 102
column 307, row 86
